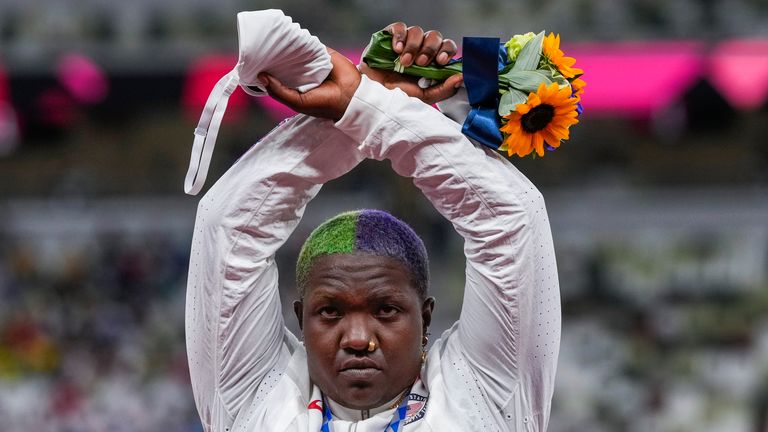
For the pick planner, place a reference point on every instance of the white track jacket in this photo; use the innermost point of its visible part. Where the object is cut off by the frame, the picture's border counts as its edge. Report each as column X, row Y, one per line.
column 494, row 370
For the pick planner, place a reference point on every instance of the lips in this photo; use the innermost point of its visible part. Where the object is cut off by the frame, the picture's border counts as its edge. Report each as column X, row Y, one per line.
column 359, row 363
column 359, row 369
column 359, row 374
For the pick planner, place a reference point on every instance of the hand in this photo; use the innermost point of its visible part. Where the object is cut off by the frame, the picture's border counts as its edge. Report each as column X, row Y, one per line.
column 328, row 100
column 425, row 47
column 413, row 43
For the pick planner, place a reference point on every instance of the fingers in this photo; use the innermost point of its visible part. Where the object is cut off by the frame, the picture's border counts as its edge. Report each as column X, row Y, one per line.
column 418, row 47
column 285, row 95
column 413, row 40
column 430, row 45
column 443, row 90
column 328, row 100
column 398, row 31
column 447, row 51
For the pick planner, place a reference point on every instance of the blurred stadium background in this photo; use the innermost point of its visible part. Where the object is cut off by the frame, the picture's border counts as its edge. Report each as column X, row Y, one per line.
column 658, row 203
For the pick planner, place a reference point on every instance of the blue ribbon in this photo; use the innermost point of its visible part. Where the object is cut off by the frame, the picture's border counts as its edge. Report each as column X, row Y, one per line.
column 482, row 61
column 394, row 425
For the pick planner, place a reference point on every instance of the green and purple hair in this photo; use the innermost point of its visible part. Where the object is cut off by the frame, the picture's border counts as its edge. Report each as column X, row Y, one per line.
column 373, row 232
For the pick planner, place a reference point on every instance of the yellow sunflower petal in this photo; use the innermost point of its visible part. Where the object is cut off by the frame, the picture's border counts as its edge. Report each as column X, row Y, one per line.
column 514, row 141
column 521, row 142
column 538, row 144
column 550, row 138
column 567, row 61
column 522, row 108
column 534, row 99
column 511, row 127
column 578, row 86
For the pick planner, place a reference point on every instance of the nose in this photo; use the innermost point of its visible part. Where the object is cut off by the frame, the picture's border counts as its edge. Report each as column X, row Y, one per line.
column 357, row 334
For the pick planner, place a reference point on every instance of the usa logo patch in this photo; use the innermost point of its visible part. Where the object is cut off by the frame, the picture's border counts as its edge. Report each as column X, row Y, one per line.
column 417, row 407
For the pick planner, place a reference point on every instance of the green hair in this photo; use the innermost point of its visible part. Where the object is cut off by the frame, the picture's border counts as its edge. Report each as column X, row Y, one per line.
column 365, row 231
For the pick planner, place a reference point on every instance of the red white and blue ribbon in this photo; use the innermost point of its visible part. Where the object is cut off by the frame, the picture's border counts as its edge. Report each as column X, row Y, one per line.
column 394, row 424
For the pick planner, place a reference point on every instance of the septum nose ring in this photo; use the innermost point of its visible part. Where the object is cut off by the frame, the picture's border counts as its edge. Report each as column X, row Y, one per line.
column 371, row 346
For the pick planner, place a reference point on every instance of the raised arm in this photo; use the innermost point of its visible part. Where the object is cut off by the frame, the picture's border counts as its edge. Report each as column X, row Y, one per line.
column 234, row 323
column 509, row 330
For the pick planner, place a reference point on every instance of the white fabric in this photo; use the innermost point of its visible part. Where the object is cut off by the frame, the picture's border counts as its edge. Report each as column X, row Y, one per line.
column 493, row 370
column 206, row 132
column 269, row 42
column 456, row 107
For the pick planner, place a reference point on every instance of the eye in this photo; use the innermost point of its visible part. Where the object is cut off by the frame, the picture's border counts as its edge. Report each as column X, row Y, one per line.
column 328, row 312
column 387, row 311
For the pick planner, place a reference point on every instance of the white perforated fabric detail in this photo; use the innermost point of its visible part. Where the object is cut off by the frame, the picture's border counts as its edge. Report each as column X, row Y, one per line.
column 264, row 390
column 493, row 370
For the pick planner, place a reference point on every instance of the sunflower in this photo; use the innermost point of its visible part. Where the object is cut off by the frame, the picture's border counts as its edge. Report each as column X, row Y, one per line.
column 545, row 116
column 551, row 50
column 578, row 86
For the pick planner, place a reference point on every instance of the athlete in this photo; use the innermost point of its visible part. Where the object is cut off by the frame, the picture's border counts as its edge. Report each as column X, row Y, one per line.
column 364, row 309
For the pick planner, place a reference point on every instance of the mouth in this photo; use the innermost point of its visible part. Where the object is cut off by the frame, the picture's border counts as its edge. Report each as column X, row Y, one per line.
column 359, row 369
column 359, row 373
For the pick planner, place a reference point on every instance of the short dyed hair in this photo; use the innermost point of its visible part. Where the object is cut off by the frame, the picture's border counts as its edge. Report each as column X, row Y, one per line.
column 373, row 232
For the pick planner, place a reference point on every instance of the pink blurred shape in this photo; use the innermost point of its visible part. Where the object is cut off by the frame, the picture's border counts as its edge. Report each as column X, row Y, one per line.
column 202, row 76
column 739, row 70
column 4, row 96
column 636, row 78
column 624, row 78
column 9, row 126
column 57, row 108
column 82, row 78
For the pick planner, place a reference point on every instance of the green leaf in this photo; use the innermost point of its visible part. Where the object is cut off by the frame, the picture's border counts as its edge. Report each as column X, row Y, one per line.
column 530, row 54
column 510, row 100
column 526, row 80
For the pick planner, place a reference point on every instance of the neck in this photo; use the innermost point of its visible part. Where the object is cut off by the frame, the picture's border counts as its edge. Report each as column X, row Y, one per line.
column 351, row 414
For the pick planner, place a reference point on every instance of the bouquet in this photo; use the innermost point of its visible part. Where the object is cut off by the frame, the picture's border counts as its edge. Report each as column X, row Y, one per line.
column 524, row 94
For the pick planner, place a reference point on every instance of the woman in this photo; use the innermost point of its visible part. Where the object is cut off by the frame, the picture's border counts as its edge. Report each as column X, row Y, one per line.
column 364, row 310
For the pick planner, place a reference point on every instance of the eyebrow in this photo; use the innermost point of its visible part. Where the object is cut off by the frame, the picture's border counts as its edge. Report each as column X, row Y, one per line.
column 325, row 292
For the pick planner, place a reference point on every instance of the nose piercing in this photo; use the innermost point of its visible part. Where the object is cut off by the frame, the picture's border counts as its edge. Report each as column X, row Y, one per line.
column 371, row 346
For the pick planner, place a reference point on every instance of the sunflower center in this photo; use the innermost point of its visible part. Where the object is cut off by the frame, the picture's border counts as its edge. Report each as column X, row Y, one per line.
column 537, row 118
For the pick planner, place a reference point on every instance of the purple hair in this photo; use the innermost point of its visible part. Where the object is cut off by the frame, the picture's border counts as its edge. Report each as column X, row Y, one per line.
column 366, row 231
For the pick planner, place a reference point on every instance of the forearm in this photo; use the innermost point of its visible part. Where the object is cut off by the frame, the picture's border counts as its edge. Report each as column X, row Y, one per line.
column 234, row 318
column 500, row 215
column 489, row 202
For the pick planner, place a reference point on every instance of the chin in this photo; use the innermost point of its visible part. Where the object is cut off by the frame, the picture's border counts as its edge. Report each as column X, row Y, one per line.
column 362, row 399
column 363, row 395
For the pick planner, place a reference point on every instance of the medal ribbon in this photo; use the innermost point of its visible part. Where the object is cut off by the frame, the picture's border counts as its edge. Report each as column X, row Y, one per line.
column 394, row 424
column 483, row 60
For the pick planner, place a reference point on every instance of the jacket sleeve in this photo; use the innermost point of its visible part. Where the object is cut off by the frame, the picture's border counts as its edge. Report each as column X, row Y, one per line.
column 234, row 325
column 509, row 328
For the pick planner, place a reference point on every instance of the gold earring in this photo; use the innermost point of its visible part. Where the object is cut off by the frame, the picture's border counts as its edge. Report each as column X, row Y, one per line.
column 371, row 346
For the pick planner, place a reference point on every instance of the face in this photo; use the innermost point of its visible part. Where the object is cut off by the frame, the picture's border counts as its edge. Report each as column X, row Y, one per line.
column 352, row 299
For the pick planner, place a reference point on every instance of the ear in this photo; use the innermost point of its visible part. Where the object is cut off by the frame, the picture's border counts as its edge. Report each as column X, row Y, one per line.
column 298, row 309
column 426, row 313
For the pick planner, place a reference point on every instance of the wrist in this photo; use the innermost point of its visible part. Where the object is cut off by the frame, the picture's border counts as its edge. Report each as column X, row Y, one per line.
column 366, row 110
column 347, row 94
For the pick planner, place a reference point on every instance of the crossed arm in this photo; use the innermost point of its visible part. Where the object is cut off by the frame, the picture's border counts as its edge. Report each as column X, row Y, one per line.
column 235, row 330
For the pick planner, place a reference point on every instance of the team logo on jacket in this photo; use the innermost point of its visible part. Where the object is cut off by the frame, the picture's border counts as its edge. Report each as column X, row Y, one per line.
column 417, row 407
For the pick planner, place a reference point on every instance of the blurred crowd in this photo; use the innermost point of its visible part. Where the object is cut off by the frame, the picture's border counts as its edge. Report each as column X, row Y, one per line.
column 659, row 218
column 32, row 30
column 91, row 338
column 664, row 314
